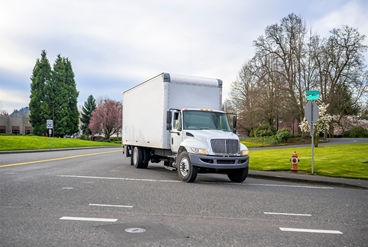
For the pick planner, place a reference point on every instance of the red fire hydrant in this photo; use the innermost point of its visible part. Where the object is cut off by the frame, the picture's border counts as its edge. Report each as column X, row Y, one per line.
column 295, row 161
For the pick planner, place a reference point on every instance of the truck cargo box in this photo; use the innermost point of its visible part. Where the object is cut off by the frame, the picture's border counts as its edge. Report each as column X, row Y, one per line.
column 145, row 106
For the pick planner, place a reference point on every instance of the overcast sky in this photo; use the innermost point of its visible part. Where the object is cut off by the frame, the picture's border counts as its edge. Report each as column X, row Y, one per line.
column 115, row 45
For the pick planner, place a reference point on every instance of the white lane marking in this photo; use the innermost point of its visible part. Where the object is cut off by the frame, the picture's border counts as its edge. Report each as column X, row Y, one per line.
column 68, row 188
column 88, row 219
column 287, row 214
column 309, row 230
column 291, row 186
column 115, row 178
column 105, row 205
column 174, row 181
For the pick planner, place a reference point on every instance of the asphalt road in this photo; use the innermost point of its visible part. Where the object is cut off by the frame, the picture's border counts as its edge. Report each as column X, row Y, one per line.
column 90, row 198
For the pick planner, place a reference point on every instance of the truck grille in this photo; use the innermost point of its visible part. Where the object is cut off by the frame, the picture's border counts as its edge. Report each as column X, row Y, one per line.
column 225, row 146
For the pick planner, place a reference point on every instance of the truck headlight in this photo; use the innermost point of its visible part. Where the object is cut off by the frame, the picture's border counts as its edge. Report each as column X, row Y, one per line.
column 200, row 151
column 244, row 153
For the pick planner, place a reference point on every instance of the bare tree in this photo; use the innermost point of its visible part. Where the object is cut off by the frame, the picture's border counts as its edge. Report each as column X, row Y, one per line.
column 288, row 43
column 341, row 76
column 2, row 111
column 289, row 60
column 243, row 97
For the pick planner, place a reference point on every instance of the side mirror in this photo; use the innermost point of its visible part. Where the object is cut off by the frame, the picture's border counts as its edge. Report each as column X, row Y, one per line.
column 168, row 120
column 234, row 124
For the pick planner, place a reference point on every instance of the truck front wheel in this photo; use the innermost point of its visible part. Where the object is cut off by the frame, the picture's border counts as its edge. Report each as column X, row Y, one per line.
column 238, row 175
column 137, row 157
column 186, row 171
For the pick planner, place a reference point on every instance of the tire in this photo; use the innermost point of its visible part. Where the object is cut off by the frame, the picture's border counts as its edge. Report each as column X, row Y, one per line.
column 146, row 157
column 137, row 157
column 186, row 171
column 131, row 156
column 238, row 175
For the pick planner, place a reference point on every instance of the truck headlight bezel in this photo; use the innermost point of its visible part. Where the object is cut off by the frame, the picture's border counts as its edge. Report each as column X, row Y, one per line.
column 200, row 151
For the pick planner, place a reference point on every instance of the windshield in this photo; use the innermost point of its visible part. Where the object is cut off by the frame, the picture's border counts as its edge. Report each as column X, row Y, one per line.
column 199, row 120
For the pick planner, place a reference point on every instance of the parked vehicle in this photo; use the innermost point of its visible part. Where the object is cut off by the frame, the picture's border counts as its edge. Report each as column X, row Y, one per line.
column 178, row 120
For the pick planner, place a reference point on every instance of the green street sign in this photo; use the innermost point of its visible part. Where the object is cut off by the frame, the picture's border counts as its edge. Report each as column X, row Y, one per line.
column 312, row 92
column 312, row 95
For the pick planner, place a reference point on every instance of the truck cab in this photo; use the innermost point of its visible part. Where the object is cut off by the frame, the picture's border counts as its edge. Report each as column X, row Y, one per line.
column 203, row 141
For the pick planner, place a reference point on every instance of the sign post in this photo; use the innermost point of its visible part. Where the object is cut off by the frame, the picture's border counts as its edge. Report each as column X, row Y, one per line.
column 50, row 126
column 311, row 112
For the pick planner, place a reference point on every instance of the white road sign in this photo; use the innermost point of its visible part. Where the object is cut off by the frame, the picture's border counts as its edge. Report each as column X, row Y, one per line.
column 311, row 112
column 49, row 124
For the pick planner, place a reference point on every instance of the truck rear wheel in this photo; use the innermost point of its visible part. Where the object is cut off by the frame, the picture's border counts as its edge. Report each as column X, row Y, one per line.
column 146, row 157
column 238, row 175
column 131, row 156
column 186, row 171
column 137, row 157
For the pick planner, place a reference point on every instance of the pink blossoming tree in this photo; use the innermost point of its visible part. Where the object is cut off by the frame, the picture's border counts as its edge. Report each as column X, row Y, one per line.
column 107, row 118
column 347, row 123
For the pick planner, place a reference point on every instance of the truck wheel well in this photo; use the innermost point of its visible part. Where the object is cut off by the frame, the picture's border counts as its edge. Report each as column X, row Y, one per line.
column 181, row 149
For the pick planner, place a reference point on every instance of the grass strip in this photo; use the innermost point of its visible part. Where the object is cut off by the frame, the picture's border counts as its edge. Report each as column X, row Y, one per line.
column 347, row 161
column 255, row 144
column 40, row 142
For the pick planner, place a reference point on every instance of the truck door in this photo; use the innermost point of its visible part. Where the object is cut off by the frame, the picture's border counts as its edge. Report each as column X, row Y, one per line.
column 177, row 132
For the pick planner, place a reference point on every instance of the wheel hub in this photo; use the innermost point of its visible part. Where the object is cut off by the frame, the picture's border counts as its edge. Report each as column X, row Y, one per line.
column 184, row 167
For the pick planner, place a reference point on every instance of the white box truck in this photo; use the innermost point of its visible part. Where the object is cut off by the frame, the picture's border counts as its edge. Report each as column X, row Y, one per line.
column 178, row 120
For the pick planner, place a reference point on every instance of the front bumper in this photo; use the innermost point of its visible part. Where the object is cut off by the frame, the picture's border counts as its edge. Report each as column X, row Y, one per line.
column 219, row 162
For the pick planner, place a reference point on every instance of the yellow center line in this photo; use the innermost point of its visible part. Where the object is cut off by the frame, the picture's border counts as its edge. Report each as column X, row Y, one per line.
column 63, row 158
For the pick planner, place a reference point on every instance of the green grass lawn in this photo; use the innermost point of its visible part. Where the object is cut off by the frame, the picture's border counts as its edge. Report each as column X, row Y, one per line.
column 39, row 142
column 349, row 161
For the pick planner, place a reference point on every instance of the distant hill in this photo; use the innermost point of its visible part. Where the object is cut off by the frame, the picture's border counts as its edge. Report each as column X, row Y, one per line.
column 23, row 112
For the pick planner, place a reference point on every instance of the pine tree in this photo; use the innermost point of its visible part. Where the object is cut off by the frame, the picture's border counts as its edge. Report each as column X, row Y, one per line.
column 73, row 113
column 88, row 108
column 40, row 111
column 54, row 94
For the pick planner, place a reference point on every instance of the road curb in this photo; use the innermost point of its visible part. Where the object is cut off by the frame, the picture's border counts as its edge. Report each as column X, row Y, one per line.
column 310, row 179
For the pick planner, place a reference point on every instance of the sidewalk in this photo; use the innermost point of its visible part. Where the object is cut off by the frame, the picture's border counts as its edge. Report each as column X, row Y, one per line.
column 310, row 179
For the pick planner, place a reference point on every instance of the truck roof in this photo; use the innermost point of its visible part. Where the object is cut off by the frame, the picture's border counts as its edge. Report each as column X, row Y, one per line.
column 186, row 79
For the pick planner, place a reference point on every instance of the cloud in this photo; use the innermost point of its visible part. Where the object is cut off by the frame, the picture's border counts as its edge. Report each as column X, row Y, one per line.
column 14, row 98
column 352, row 13
column 114, row 44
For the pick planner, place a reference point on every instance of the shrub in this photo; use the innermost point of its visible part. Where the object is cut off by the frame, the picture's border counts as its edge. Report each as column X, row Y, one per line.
column 296, row 135
column 30, row 135
column 264, row 139
column 283, row 134
column 263, row 131
column 251, row 134
column 115, row 139
column 356, row 132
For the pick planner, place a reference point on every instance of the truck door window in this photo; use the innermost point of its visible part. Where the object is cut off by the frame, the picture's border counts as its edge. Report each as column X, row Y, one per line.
column 177, row 121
